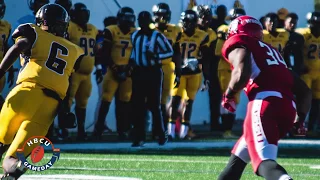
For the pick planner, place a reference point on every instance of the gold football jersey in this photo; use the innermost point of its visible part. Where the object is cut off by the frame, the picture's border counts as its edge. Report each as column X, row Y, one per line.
column 190, row 46
column 311, row 50
column 222, row 33
column 121, row 45
column 173, row 34
column 49, row 62
column 5, row 28
column 86, row 40
column 212, row 36
column 279, row 41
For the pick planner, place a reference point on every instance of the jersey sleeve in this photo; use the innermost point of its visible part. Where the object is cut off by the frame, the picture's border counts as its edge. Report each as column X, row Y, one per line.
column 205, row 40
column 234, row 42
column 25, row 31
column 219, row 45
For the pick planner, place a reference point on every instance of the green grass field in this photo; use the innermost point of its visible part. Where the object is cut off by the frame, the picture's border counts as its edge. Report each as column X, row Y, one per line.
column 164, row 167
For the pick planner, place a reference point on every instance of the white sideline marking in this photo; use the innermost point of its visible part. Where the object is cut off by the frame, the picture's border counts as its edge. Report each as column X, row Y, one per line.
column 73, row 177
column 174, row 145
column 161, row 160
column 315, row 167
column 213, row 171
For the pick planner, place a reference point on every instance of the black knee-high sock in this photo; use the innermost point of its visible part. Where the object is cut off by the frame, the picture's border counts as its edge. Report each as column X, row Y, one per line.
column 270, row 170
column 188, row 112
column 234, row 169
column 176, row 100
column 103, row 111
column 81, row 116
column 123, row 123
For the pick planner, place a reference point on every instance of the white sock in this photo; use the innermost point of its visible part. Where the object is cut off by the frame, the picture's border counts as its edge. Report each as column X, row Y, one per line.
column 171, row 129
column 183, row 131
column 285, row 177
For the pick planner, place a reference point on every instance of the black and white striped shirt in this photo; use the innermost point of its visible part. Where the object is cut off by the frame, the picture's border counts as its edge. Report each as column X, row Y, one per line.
column 157, row 43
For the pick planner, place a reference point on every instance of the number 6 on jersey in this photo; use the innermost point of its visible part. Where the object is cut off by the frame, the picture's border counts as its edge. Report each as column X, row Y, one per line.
column 55, row 63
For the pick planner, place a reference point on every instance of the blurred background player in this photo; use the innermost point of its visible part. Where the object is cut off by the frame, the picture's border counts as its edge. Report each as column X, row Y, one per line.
column 220, row 18
column 67, row 4
column 5, row 32
column 282, row 14
column 21, row 121
column 193, row 43
column 296, row 43
column 310, row 74
column 116, row 51
column 110, row 20
column 205, row 19
column 224, row 74
column 278, row 38
column 171, row 67
column 83, row 34
column 261, row 20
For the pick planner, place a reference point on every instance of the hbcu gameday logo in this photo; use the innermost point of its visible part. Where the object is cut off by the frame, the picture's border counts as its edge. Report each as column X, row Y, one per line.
column 37, row 153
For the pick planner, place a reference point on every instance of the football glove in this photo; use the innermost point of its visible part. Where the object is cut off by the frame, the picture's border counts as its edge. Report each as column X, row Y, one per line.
column 67, row 120
column 99, row 76
column 228, row 103
column 205, row 85
column 299, row 129
column 153, row 57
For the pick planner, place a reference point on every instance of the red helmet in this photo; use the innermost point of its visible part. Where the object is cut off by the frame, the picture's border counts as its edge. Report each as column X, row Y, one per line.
column 246, row 25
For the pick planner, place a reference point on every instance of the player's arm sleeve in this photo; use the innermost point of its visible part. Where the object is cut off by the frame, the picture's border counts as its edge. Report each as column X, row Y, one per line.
column 176, row 58
column 6, row 45
column 78, row 62
column 105, row 51
column 288, row 50
column 165, row 47
column 205, row 57
column 240, row 58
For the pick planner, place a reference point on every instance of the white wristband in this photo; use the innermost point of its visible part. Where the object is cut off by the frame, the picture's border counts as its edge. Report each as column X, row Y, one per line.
column 99, row 67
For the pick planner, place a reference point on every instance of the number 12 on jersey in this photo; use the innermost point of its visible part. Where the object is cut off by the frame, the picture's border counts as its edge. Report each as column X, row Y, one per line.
column 275, row 57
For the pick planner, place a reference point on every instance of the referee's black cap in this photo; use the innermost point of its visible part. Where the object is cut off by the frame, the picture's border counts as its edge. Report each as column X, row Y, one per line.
column 145, row 16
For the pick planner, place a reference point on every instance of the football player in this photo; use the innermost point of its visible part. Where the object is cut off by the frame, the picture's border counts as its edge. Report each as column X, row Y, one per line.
column 296, row 45
column 224, row 74
column 47, row 62
column 116, row 50
column 205, row 18
column 194, row 50
column 220, row 19
column 311, row 61
column 278, row 38
column 171, row 67
column 110, row 20
column 5, row 31
column 83, row 34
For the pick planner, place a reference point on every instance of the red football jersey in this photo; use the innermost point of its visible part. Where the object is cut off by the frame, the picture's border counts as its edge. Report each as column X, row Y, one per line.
column 269, row 70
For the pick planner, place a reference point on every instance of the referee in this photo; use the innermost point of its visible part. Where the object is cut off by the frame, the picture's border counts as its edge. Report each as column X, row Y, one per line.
column 150, row 47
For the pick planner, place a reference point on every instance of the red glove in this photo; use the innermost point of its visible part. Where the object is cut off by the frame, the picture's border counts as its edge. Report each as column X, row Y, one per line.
column 228, row 103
